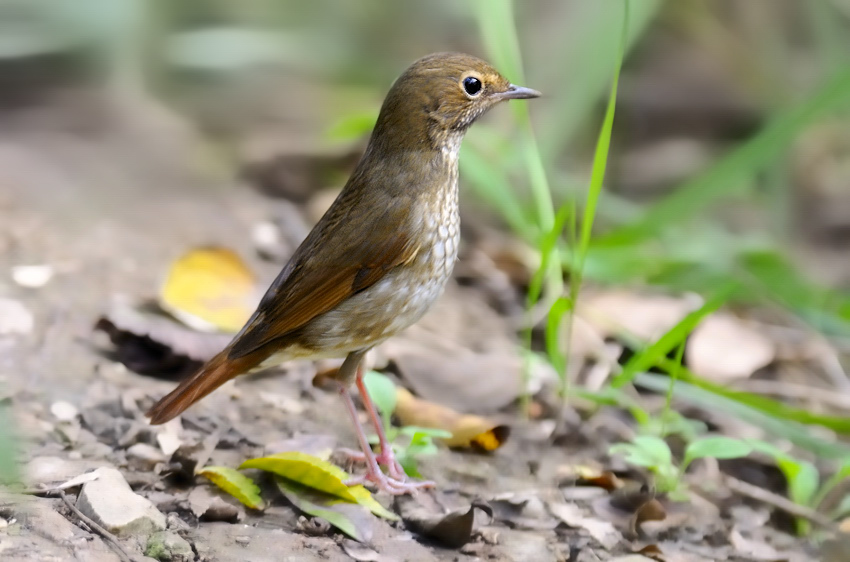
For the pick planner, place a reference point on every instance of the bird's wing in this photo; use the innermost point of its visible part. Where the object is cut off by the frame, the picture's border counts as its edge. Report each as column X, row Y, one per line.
column 316, row 282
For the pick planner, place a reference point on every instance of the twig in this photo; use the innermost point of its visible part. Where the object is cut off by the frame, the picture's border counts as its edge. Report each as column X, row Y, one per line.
column 777, row 501
column 109, row 537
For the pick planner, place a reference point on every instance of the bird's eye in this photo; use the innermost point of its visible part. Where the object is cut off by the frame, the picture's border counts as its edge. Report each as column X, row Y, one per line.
column 472, row 86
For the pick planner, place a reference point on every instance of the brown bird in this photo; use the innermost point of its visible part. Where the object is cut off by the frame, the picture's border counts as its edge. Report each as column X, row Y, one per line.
column 379, row 257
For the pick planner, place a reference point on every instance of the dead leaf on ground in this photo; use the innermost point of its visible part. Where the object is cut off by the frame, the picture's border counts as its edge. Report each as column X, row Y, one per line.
column 207, row 504
column 652, row 551
column 643, row 316
column 148, row 342
column 724, row 348
column 649, row 511
column 210, row 289
column 602, row 531
column 468, row 431
column 452, row 529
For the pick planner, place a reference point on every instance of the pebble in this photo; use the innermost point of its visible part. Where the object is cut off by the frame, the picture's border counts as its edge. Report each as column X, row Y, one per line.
column 64, row 411
column 111, row 502
column 32, row 276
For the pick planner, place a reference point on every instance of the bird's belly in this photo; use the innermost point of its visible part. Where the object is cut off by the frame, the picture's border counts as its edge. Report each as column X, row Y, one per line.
column 392, row 304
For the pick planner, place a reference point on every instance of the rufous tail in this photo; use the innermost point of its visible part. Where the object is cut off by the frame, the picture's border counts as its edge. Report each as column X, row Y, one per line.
column 212, row 375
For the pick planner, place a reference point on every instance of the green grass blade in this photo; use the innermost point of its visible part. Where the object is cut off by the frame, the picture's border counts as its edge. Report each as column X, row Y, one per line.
column 553, row 334
column 840, row 424
column 652, row 354
column 782, row 428
column 600, row 156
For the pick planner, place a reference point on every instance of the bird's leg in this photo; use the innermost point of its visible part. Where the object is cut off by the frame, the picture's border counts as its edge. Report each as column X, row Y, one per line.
column 387, row 456
column 393, row 483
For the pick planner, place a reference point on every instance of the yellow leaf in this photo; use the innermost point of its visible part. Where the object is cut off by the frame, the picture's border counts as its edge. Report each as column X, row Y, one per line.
column 209, row 289
column 364, row 498
column 321, row 475
column 307, row 470
column 234, row 483
column 468, row 431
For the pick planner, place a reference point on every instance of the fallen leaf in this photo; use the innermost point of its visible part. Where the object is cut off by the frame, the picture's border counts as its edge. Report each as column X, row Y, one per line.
column 306, row 470
column 320, row 475
column 234, row 483
column 352, row 519
column 360, row 552
column 451, row 529
column 652, row 551
column 602, row 531
column 649, row 511
column 209, row 289
column 724, row 348
column 468, row 431
column 643, row 316
column 207, row 504
column 149, row 342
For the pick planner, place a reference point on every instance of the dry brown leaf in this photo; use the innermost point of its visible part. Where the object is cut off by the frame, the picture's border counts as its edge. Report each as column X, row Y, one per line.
column 209, row 289
column 649, row 511
column 468, row 431
column 452, row 529
column 602, row 531
column 646, row 317
column 149, row 342
column 652, row 551
column 723, row 347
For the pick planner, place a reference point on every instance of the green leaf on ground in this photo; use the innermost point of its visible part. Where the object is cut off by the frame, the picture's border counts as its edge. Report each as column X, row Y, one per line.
column 234, row 483
column 306, row 470
column 319, row 475
column 352, row 519
column 718, row 447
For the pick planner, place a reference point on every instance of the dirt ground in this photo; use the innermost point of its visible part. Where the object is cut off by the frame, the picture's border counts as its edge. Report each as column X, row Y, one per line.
column 108, row 198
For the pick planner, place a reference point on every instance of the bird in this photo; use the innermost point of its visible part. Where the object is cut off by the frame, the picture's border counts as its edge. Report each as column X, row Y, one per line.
column 378, row 258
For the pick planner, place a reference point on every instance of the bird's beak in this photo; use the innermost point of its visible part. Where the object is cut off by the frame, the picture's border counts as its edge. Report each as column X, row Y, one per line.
column 517, row 93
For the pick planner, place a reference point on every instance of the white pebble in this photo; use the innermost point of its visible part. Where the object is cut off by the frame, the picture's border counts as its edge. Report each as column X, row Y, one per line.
column 32, row 276
column 64, row 411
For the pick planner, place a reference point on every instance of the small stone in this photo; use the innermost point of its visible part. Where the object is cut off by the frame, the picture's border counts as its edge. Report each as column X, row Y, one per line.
column 111, row 503
column 64, row 411
column 142, row 456
column 167, row 546
column 32, row 276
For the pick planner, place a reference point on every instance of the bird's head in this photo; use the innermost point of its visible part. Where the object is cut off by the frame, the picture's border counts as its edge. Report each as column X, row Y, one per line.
column 438, row 97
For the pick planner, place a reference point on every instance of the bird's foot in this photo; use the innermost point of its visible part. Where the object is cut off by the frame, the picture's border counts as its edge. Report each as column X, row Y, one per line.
column 394, row 481
column 386, row 483
column 394, row 468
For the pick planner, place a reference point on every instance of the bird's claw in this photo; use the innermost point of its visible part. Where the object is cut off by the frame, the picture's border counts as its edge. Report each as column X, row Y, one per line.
column 394, row 481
